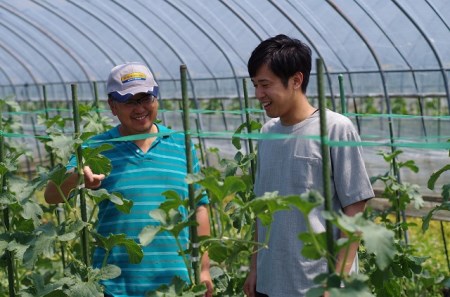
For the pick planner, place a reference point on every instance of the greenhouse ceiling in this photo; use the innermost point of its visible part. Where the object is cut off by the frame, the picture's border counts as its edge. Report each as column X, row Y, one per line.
column 396, row 47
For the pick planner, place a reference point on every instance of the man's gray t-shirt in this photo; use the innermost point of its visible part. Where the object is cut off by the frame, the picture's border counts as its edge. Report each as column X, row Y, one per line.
column 293, row 166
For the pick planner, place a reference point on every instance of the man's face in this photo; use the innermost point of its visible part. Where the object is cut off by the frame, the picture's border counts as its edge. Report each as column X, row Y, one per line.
column 137, row 115
column 277, row 99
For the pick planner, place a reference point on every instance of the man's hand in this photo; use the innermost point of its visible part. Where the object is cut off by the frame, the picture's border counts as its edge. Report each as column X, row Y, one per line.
column 92, row 180
column 205, row 278
column 250, row 284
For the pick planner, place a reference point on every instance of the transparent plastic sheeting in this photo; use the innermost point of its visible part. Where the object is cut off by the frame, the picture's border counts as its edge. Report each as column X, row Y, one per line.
column 422, row 139
column 382, row 47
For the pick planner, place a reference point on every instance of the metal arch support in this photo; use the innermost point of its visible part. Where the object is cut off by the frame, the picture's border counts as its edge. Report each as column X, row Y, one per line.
column 21, row 62
column 37, row 50
column 115, row 31
column 383, row 79
column 217, row 46
column 185, row 42
column 50, row 36
column 400, row 53
column 243, row 20
column 100, row 48
column 329, row 46
column 372, row 51
column 168, row 45
column 286, row 15
column 438, row 14
column 9, row 79
column 430, row 44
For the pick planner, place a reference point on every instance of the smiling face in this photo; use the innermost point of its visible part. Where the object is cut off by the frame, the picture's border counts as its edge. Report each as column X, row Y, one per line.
column 137, row 115
column 277, row 99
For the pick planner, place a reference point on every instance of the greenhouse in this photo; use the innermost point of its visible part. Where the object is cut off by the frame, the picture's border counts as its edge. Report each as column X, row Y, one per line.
column 384, row 64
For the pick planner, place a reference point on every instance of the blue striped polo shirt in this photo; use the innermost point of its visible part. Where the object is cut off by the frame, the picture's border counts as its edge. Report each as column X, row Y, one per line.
column 142, row 178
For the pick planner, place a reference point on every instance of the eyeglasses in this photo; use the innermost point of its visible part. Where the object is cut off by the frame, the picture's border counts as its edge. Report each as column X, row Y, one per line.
column 144, row 100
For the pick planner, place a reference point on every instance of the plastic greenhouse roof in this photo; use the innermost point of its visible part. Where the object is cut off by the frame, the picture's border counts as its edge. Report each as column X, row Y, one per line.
column 380, row 46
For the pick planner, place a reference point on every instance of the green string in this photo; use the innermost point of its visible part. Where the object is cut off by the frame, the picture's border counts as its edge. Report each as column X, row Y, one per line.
column 261, row 136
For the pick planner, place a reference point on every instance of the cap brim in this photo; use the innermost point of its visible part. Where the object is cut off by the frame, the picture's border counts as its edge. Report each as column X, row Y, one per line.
column 130, row 92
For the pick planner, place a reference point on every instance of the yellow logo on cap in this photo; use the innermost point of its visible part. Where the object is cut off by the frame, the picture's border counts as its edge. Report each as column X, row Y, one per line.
column 133, row 76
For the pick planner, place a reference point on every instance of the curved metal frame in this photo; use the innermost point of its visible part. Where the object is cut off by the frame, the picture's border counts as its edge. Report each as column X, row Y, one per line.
column 51, row 37
column 311, row 43
column 30, row 44
column 430, row 44
column 240, row 10
column 401, row 55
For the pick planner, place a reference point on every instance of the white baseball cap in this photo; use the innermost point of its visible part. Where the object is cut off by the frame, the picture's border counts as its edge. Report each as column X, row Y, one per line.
column 128, row 79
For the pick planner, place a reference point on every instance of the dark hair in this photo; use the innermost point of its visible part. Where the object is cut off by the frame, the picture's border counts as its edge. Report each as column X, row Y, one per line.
column 284, row 56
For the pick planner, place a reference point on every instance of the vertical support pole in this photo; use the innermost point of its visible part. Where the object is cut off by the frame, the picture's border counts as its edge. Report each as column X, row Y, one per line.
column 342, row 94
column 249, row 129
column 187, row 134
column 325, row 163
column 79, row 154
column 96, row 105
column 59, row 209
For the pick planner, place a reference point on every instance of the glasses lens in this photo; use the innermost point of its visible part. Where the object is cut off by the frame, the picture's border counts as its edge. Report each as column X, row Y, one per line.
column 143, row 100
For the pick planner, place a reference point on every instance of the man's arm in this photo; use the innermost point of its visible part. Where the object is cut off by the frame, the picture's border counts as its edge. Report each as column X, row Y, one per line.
column 91, row 181
column 349, row 210
column 203, row 229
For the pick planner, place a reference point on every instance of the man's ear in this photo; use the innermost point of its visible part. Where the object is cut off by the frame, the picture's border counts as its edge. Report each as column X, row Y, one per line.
column 298, row 80
column 112, row 106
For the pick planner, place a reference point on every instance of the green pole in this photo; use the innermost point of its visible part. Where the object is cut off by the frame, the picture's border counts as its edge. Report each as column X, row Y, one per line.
column 59, row 208
column 187, row 134
column 96, row 104
column 200, row 146
column 342, row 94
column 249, row 129
column 79, row 153
column 325, row 163
column 52, row 157
column 8, row 254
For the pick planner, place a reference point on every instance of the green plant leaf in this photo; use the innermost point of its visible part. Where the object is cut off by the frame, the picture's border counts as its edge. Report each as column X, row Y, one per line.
column 133, row 249
column 380, row 241
column 435, row 175
column 147, row 234
column 314, row 245
column 108, row 272
column 42, row 244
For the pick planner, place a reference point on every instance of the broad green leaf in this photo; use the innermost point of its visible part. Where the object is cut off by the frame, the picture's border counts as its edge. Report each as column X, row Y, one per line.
column 435, row 175
column 57, row 175
column 83, row 289
column 173, row 201
column 380, row 241
column 63, row 146
column 93, row 158
column 147, row 234
column 109, row 272
column 307, row 201
column 314, row 245
column 158, row 215
column 409, row 164
column 126, row 205
column 122, row 204
column 235, row 140
column 218, row 251
column 32, row 210
column 70, row 229
column 41, row 245
column 134, row 250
